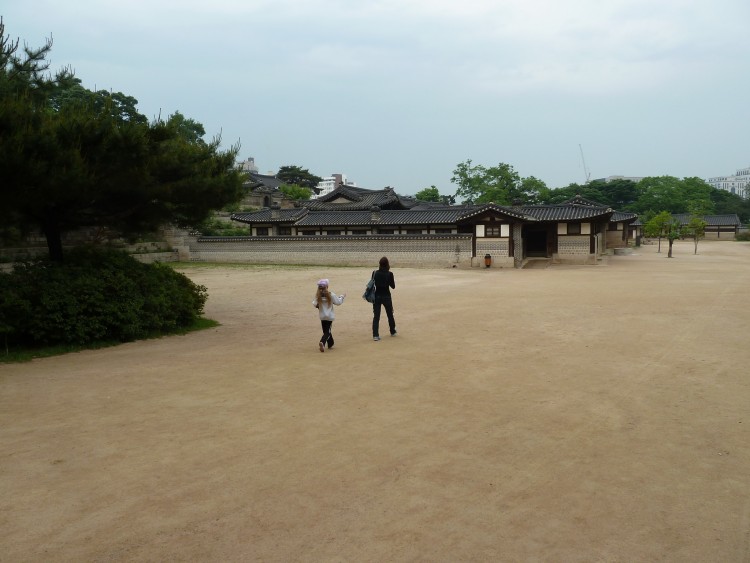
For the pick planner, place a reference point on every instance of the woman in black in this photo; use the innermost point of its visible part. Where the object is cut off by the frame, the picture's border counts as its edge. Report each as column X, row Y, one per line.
column 384, row 281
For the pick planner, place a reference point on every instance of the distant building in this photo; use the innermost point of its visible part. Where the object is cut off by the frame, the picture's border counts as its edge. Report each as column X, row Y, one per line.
column 248, row 165
column 738, row 184
column 327, row 185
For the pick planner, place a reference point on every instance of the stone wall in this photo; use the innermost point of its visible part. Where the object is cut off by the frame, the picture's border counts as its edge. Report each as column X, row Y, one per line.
column 499, row 251
column 404, row 250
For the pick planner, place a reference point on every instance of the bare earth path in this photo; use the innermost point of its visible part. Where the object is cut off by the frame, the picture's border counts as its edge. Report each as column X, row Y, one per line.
column 561, row 414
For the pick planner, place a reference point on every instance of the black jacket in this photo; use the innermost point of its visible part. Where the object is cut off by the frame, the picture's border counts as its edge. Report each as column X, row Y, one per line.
column 384, row 280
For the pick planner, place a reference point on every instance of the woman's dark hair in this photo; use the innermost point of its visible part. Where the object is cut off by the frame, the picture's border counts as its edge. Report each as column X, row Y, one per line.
column 384, row 265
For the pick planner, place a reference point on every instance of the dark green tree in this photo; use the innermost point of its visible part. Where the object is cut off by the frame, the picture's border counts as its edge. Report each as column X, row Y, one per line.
column 74, row 158
column 297, row 176
column 697, row 193
column 188, row 129
column 592, row 191
column 121, row 106
column 660, row 193
column 619, row 194
column 667, row 193
column 726, row 202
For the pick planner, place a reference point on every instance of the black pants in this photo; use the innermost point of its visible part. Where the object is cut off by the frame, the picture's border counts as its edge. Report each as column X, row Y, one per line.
column 387, row 303
column 327, row 336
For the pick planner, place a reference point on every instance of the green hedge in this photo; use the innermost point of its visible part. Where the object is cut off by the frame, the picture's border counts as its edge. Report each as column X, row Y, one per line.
column 94, row 296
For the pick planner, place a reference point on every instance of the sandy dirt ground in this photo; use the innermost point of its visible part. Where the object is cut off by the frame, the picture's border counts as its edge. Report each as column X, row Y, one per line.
column 570, row 413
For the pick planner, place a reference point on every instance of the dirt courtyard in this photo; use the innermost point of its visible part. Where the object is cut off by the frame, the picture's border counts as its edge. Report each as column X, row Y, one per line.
column 573, row 413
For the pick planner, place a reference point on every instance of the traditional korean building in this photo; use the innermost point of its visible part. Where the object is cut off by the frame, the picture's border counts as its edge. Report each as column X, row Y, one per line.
column 717, row 226
column 356, row 226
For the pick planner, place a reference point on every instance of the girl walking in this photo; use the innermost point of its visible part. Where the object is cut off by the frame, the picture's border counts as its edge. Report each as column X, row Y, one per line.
column 324, row 302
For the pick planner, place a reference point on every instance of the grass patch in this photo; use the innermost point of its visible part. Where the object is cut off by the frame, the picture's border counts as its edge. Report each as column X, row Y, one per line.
column 18, row 354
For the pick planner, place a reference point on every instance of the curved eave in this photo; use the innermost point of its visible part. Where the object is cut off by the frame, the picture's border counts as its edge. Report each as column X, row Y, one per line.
column 511, row 213
column 265, row 216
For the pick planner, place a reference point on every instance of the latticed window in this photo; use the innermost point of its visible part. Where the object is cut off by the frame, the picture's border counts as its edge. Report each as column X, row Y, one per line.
column 492, row 231
column 574, row 228
column 262, row 231
column 285, row 231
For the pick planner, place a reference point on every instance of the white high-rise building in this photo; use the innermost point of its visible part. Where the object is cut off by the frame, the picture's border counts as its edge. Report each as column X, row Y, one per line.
column 738, row 184
column 327, row 185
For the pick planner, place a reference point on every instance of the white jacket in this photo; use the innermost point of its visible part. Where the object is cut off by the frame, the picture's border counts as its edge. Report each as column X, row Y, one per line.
column 325, row 309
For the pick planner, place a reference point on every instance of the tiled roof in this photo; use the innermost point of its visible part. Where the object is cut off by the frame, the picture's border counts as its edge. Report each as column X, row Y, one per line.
column 617, row 216
column 361, row 199
column 421, row 205
column 386, row 217
column 332, row 214
column 579, row 200
column 514, row 212
column 264, row 180
column 711, row 220
column 622, row 217
column 268, row 215
column 563, row 212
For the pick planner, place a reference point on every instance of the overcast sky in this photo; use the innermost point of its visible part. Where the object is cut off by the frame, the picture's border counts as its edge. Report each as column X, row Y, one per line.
column 398, row 92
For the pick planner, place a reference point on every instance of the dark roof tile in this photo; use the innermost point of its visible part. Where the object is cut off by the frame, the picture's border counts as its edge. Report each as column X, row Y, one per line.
column 711, row 220
column 268, row 215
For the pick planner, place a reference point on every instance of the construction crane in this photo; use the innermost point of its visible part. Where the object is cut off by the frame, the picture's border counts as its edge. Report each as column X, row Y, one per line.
column 585, row 169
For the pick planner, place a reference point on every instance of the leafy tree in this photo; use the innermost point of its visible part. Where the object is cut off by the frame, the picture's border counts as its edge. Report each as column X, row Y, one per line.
column 664, row 225
column 500, row 184
column 696, row 225
column 74, row 158
column 530, row 189
column 657, row 226
column 668, row 193
column 295, row 192
column 620, row 194
column 661, row 192
column 673, row 231
column 428, row 194
column 297, row 176
column 697, row 191
column 696, row 229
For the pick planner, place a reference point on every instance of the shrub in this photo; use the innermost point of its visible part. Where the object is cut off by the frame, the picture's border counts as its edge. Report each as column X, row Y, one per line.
column 95, row 295
column 218, row 228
